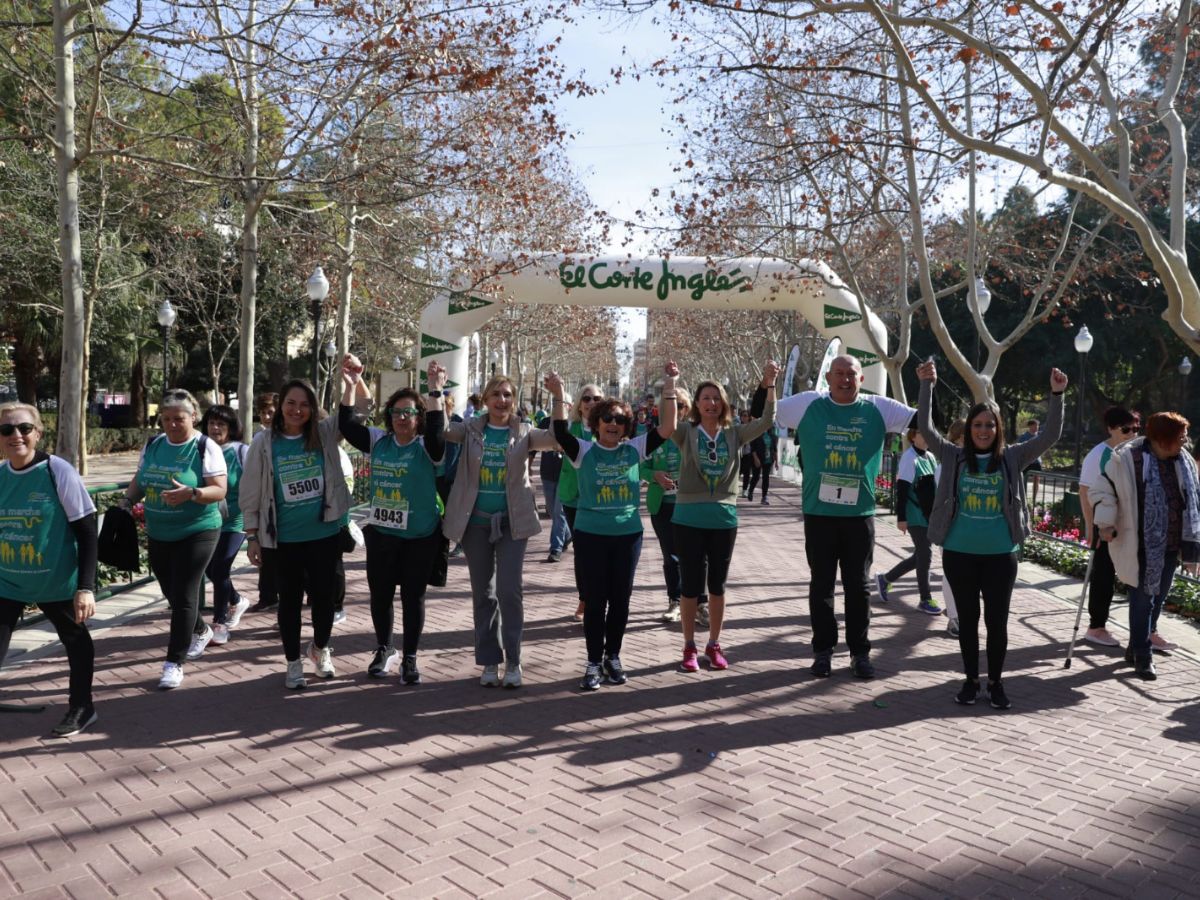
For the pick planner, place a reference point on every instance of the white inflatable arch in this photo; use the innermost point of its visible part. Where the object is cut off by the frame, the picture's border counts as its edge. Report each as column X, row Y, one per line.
column 810, row 288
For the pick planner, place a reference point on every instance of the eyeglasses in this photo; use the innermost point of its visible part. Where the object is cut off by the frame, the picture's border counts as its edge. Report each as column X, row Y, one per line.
column 402, row 412
column 619, row 418
column 588, row 399
column 1128, row 429
column 25, row 428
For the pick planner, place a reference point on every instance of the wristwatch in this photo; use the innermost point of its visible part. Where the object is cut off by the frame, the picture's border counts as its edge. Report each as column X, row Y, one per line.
column 435, row 395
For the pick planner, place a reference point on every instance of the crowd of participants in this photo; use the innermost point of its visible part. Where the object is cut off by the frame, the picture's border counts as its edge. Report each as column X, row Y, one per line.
column 440, row 484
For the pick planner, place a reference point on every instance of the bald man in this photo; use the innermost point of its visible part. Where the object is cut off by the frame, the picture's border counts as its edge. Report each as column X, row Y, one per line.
column 841, row 441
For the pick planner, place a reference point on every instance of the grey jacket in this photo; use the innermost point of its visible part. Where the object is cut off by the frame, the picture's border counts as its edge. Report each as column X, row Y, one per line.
column 523, row 519
column 1013, row 459
column 692, row 486
column 257, row 486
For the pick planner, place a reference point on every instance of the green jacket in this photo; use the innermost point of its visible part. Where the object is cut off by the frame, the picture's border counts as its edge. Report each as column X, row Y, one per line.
column 692, row 486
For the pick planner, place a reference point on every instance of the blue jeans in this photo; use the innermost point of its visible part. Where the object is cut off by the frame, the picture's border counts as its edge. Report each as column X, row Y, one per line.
column 560, row 531
column 1145, row 606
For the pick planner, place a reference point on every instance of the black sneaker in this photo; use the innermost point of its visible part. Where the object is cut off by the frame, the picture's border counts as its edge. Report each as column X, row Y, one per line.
column 591, row 678
column 970, row 690
column 614, row 672
column 555, row 556
column 996, row 695
column 76, row 719
column 409, row 672
column 260, row 606
column 1143, row 667
column 822, row 666
column 861, row 666
column 383, row 663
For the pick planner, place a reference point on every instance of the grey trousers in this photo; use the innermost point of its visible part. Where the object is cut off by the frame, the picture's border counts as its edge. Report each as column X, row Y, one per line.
column 497, row 593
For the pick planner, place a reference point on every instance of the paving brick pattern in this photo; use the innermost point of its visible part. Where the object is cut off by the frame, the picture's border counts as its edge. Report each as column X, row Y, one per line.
column 756, row 782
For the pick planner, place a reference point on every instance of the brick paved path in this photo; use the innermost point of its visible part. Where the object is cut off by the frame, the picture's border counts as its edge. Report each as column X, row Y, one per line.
column 756, row 782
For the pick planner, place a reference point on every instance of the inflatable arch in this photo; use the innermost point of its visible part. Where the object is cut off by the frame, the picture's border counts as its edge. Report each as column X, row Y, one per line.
column 811, row 288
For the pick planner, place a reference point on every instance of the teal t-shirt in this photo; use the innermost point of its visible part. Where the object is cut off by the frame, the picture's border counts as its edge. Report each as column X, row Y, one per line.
column 609, row 487
column 39, row 559
column 493, row 475
column 665, row 459
column 233, row 467
column 923, row 464
column 299, row 491
column 840, row 446
column 713, row 456
column 403, row 489
column 979, row 526
column 161, row 465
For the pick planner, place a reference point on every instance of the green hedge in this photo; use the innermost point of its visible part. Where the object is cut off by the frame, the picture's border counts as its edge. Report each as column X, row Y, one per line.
column 106, row 440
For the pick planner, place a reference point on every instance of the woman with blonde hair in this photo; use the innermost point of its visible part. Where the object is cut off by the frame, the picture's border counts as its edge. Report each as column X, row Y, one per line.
column 492, row 514
column 705, row 519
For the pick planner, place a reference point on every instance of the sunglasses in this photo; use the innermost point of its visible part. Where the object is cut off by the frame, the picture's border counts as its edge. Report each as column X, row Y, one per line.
column 588, row 399
column 712, row 449
column 1128, row 429
column 619, row 418
column 402, row 412
column 25, row 428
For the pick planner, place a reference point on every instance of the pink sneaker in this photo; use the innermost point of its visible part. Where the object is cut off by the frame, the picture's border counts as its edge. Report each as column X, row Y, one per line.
column 716, row 659
column 689, row 664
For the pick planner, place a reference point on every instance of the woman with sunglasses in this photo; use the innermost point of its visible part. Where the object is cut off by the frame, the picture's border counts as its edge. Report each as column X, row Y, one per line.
column 979, row 519
column 608, row 527
column 568, row 487
column 295, row 500
column 661, row 473
column 1118, row 421
column 221, row 425
column 492, row 513
column 47, row 552
column 182, row 476
column 404, row 527
column 705, row 519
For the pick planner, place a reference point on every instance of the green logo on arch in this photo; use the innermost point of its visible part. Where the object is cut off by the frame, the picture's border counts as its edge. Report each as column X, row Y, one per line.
column 865, row 357
column 835, row 316
column 431, row 346
column 461, row 303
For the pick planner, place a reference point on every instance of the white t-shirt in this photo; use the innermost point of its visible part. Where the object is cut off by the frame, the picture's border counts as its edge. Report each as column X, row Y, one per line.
column 1090, row 471
column 896, row 416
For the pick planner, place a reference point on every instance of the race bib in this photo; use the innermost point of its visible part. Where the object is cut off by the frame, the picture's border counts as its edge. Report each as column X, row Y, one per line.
column 303, row 484
column 839, row 490
column 389, row 513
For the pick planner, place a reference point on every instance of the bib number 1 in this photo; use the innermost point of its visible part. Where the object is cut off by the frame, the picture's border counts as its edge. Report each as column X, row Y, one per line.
column 838, row 490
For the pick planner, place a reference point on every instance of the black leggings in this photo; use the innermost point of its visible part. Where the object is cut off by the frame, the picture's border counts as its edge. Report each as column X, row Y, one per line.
column 755, row 472
column 745, row 464
column 1102, row 586
column 604, row 568
column 228, row 545
column 81, row 653
column 993, row 576
column 179, row 567
column 703, row 551
column 302, row 564
column 391, row 561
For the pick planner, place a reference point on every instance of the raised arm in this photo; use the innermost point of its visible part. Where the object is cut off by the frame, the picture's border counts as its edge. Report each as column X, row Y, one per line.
column 435, row 416
column 668, row 414
column 558, row 414
column 759, row 426
column 927, row 372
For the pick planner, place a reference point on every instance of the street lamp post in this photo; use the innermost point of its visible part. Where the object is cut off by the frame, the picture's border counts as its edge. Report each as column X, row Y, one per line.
column 1083, row 343
column 983, row 297
column 166, row 320
column 1185, row 369
column 330, row 353
column 318, row 289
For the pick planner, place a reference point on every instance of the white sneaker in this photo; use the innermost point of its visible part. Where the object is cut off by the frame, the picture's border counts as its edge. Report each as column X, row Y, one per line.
column 172, row 676
column 672, row 613
column 220, row 634
column 322, row 659
column 237, row 611
column 339, row 616
column 512, row 676
column 702, row 615
column 199, row 642
column 295, row 675
column 490, row 676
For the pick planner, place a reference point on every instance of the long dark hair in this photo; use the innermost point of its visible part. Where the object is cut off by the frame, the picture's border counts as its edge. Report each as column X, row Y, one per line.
column 312, row 437
column 225, row 414
column 997, row 447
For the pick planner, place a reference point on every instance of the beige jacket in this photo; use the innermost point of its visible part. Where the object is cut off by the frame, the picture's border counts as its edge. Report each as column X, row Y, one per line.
column 522, row 440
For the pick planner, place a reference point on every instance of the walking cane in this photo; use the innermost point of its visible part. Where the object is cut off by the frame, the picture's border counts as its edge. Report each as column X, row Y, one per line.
column 1087, row 580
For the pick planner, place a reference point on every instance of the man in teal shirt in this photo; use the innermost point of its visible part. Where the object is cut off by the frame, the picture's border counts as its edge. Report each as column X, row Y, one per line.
column 841, row 441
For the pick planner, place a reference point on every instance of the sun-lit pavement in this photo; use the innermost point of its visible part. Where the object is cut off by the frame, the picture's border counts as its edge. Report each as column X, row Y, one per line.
column 758, row 781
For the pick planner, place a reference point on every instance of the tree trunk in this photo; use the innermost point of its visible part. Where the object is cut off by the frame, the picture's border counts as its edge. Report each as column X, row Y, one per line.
column 27, row 363
column 252, row 196
column 70, row 390
column 137, row 390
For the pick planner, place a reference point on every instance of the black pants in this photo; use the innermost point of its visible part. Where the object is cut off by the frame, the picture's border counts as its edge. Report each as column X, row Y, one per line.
column 704, row 558
column 268, row 581
column 604, row 568
column 665, row 532
column 393, row 561
column 993, row 577
column 848, row 542
column 81, row 653
column 920, row 560
column 228, row 545
column 744, row 466
column 755, row 472
column 179, row 567
column 312, row 564
column 1103, row 584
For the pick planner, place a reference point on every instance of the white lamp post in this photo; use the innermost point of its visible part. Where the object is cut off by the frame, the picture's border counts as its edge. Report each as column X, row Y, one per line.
column 318, row 289
column 1083, row 344
column 166, row 321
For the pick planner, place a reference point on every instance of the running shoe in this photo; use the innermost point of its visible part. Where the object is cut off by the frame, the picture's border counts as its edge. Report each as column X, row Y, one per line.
column 512, row 675
column 968, row 693
column 295, row 680
column 383, row 662
column 614, row 672
column 822, row 665
column 702, row 615
column 690, row 662
column 862, row 667
column 882, row 584
column 322, row 659
column 997, row 697
column 409, row 673
column 929, row 606
column 490, row 676
column 199, row 642
column 76, row 719
column 765, row 502
column 237, row 611
column 220, row 634
column 591, row 677
column 672, row 613
column 952, row 628
column 716, row 659
column 172, row 676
